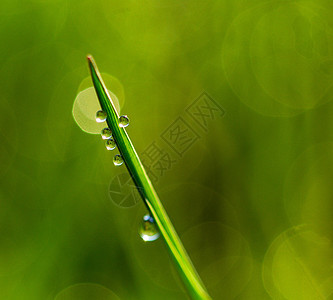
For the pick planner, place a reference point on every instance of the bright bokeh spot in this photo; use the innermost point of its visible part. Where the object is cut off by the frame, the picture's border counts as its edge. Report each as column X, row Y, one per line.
column 84, row 110
column 112, row 83
column 298, row 265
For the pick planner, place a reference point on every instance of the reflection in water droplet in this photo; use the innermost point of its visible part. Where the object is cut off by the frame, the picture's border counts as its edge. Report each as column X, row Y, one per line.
column 100, row 116
column 123, row 121
column 148, row 229
column 106, row 133
column 110, row 144
column 118, row 160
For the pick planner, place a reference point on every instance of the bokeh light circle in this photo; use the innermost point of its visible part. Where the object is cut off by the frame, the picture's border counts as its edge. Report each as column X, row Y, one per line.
column 112, row 83
column 280, row 66
column 298, row 265
column 84, row 110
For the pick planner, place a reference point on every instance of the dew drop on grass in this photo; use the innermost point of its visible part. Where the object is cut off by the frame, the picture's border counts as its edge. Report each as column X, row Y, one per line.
column 110, row 144
column 118, row 160
column 123, row 121
column 100, row 116
column 148, row 229
column 106, row 133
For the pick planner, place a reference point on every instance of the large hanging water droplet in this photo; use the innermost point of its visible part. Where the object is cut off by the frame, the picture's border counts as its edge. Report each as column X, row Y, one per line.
column 100, row 116
column 110, row 144
column 148, row 229
column 106, row 133
column 123, row 121
column 118, row 160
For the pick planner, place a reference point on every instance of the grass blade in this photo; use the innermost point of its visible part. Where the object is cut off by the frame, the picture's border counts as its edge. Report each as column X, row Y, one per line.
column 131, row 159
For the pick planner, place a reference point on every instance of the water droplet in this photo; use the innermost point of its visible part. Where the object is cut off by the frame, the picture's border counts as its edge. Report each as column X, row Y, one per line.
column 110, row 144
column 100, row 116
column 148, row 229
column 123, row 121
column 118, row 160
column 106, row 133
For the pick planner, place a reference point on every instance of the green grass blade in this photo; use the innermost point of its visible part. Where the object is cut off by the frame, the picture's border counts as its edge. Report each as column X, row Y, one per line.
column 131, row 159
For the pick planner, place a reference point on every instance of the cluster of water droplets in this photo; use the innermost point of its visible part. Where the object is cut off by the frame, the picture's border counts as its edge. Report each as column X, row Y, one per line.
column 148, row 230
column 106, row 134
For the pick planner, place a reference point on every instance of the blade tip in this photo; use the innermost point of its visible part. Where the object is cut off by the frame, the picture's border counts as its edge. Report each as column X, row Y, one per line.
column 90, row 58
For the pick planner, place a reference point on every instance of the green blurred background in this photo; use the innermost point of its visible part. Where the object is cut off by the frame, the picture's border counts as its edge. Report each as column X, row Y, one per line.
column 251, row 198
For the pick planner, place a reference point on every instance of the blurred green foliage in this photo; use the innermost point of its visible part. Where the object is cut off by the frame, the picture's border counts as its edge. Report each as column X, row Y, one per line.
column 251, row 198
